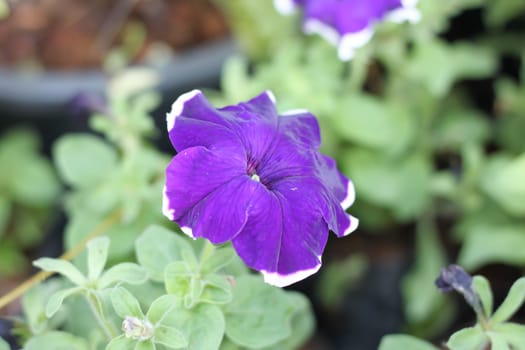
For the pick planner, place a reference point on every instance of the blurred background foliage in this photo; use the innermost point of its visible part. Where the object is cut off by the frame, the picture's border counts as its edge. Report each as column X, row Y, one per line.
column 428, row 120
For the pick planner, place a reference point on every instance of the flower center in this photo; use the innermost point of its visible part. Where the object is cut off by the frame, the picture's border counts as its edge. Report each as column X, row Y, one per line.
column 137, row 329
column 251, row 170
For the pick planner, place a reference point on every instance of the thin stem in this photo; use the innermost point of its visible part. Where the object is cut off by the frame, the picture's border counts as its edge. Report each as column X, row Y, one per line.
column 482, row 320
column 358, row 69
column 107, row 327
column 70, row 254
column 207, row 250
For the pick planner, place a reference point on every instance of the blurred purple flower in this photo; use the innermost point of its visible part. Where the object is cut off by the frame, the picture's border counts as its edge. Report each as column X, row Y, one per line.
column 348, row 24
column 88, row 103
column 247, row 175
column 453, row 277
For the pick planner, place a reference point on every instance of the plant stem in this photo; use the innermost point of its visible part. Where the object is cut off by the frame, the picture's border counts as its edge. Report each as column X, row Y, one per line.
column 207, row 250
column 94, row 305
column 70, row 254
column 358, row 70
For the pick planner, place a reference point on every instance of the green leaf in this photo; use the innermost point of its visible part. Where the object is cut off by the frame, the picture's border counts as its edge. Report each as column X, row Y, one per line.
column 97, row 250
column 5, row 213
column 121, row 343
column 512, row 302
column 438, row 65
column 56, row 340
column 513, row 333
column 503, row 181
column 471, row 338
column 217, row 290
column 62, row 267
column 124, row 272
column 194, row 294
column 220, row 258
column 302, row 323
column 12, row 259
column 160, row 307
column 84, row 160
column 404, row 180
column 491, row 244
column 460, row 126
column 170, row 337
column 35, row 182
column 56, row 300
column 404, row 342
column 202, row 325
column 157, row 247
column 371, row 122
column 482, row 289
column 4, row 345
column 497, row 342
column 125, row 304
column 177, row 278
column 145, row 345
column 497, row 13
column 249, row 320
column 419, row 291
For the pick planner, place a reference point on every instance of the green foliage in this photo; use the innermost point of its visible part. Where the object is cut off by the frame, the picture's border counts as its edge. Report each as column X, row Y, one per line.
column 493, row 328
column 128, row 176
column 198, row 306
column 249, row 320
column 56, row 340
column 402, row 119
column 424, row 304
column 401, row 341
column 28, row 192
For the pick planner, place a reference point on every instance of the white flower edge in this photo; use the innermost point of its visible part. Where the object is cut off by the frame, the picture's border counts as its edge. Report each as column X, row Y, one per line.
column 178, row 107
column 284, row 7
column 278, row 280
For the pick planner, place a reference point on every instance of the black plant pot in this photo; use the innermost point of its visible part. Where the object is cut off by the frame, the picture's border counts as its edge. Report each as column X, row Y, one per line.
column 43, row 99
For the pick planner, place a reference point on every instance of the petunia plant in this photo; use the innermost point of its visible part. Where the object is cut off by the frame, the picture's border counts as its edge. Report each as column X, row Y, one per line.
column 426, row 117
column 29, row 190
column 96, row 280
column 493, row 329
column 145, row 331
column 197, row 296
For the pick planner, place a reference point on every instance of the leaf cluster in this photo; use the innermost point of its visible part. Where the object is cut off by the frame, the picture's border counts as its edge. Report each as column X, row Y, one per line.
column 29, row 190
column 180, row 294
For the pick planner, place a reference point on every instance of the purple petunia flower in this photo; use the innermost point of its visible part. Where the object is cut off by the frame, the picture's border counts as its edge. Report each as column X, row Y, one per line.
column 348, row 24
column 245, row 174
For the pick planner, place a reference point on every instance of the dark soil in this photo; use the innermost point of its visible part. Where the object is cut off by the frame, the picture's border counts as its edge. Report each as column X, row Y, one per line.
column 73, row 34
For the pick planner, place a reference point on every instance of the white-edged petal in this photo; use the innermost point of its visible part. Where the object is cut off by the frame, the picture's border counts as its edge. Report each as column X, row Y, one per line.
column 350, row 195
column 271, row 96
column 314, row 26
column 350, row 42
column 166, row 210
column 278, row 280
column 410, row 14
column 188, row 231
column 178, row 106
column 295, row 112
column 354, row 222
column 284, row 7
